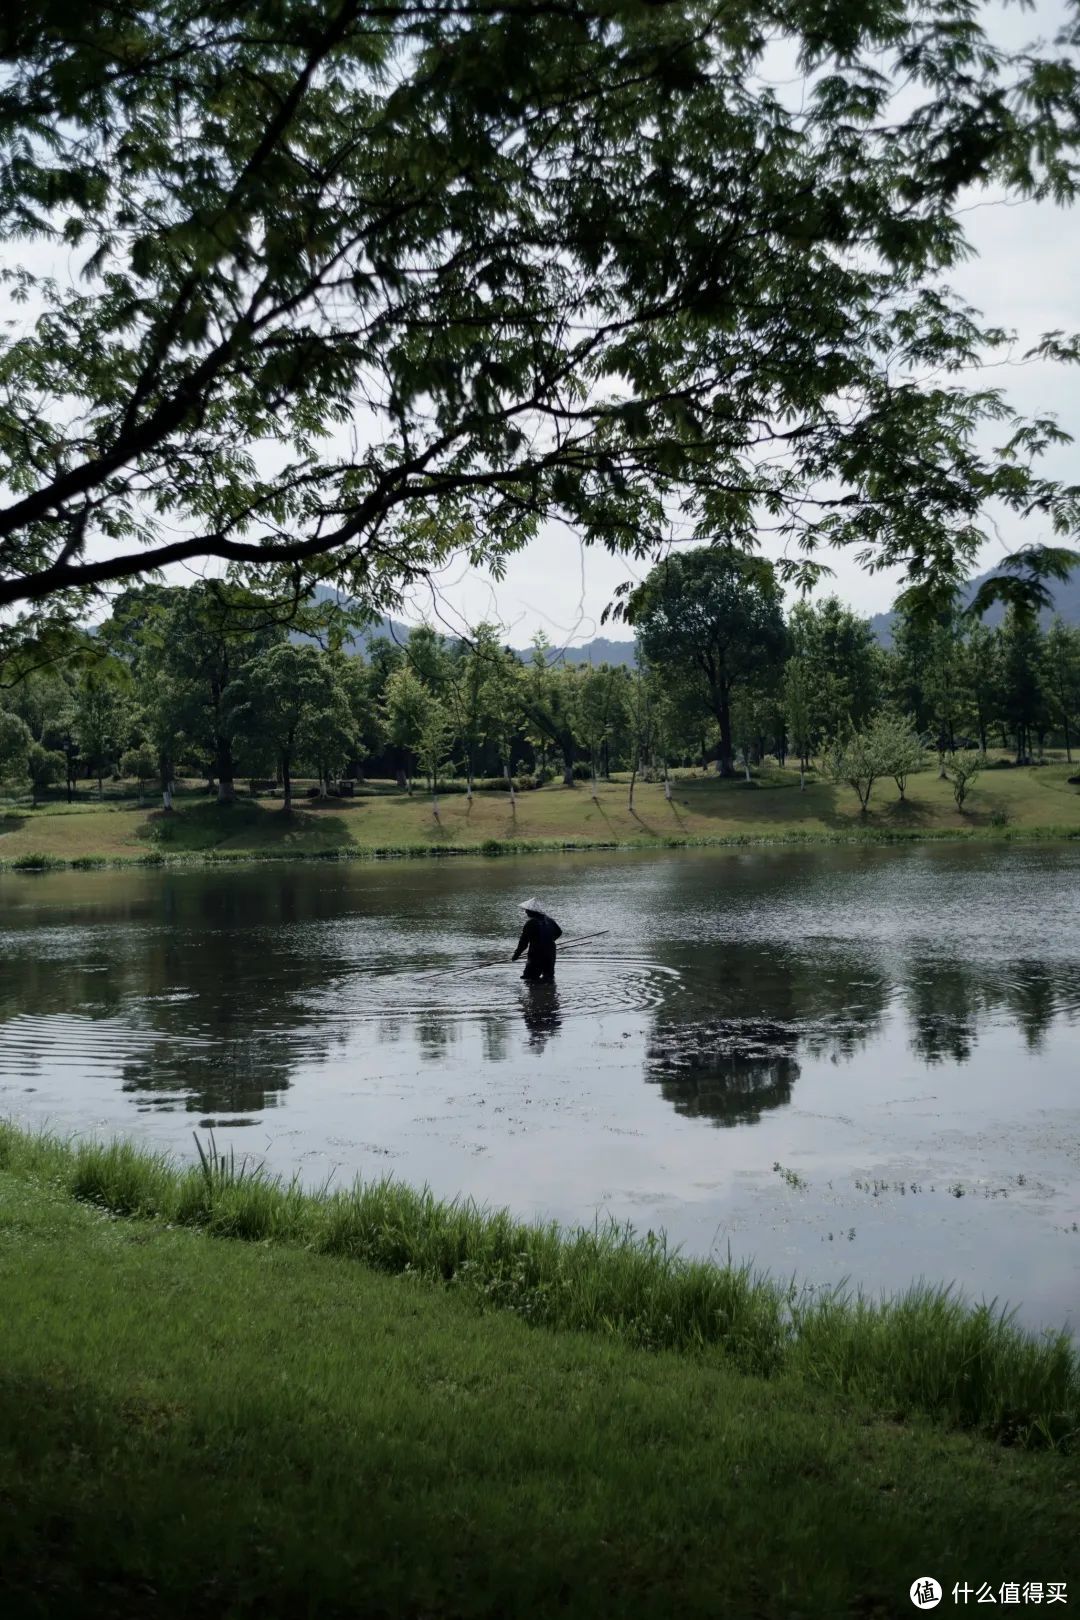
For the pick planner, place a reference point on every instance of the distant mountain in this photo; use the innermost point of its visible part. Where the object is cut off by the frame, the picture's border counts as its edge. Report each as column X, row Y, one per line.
column 598, row 651
column 1066, row 595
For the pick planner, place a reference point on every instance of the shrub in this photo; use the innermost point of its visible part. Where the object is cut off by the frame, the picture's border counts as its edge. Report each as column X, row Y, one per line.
column 962, row 768
column 498, row 784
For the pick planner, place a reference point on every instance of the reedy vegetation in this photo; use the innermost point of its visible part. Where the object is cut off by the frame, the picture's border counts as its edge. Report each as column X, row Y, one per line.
column 926, row 1352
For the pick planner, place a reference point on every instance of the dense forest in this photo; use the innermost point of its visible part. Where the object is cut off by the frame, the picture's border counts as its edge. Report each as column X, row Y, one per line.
column 203, row 682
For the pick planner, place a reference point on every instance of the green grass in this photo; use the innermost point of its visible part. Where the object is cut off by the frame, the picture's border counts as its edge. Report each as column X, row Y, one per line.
column 1035, row 802
column 192, row 1427
column 926, row 1352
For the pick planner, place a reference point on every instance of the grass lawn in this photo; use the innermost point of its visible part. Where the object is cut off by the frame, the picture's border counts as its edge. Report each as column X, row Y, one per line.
column 1012, row 802
column 193, row 1425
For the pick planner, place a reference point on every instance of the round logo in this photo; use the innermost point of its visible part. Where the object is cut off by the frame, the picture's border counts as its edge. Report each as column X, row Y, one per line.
column 926, row 1592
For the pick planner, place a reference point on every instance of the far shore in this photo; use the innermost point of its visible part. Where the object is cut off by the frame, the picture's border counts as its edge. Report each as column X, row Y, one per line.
column 382, row 821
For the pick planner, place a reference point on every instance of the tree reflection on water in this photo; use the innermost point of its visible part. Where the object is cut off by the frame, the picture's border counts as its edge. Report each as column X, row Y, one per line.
column 210, row 994
column 722, row 1070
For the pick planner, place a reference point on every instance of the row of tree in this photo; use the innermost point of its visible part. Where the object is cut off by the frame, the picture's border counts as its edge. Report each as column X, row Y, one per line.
column 204, row 680
column 711, row 622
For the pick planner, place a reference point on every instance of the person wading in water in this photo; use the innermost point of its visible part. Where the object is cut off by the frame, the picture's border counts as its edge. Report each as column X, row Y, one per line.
column 537, row 937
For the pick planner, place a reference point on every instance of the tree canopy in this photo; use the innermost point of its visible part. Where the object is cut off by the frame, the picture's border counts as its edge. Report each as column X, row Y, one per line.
column 715, row 618
column 356, row 286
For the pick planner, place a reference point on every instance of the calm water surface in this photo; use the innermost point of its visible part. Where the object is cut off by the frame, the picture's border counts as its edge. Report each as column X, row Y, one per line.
column 852, row 1063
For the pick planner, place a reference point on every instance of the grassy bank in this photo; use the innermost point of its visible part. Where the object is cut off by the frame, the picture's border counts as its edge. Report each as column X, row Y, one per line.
column 1005, row 804
column 195, row 1425
column 927, row 1353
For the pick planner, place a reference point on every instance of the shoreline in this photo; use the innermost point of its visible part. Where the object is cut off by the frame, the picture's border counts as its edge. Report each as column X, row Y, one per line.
column 195, row 1425
column 914, row 1352
column 492, row 849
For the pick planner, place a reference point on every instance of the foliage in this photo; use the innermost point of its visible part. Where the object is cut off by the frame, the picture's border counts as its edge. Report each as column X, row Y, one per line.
column 405, row 708
column 1061, row 679
column 290, row 221
column 170, row 675
column 549, row 696
column 715, row 616
column 1023, row 697
column 433, row 741
column 901, row 747
column 288, row 700
column 839, row 664
column 15, row 742
column 102, row 717
column 858, row 762
column 962, row 769
column 44, row 766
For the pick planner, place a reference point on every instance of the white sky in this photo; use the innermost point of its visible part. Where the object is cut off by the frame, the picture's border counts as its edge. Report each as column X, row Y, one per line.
column 1024, row 279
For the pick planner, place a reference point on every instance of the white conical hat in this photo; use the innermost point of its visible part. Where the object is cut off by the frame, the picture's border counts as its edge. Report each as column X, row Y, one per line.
column 532, row 904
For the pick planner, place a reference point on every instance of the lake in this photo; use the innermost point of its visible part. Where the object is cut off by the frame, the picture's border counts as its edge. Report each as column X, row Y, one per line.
column 852, row 1063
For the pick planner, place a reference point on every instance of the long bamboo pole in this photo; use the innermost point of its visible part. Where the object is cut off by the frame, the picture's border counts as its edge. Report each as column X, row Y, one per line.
column 496, row 960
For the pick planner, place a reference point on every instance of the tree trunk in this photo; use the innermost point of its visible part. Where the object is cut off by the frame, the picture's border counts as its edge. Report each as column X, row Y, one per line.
column 1068, row 748
column 286, row 785
column 100, row 789
column 633, row 779
column 802, row 776
column 725, row 759
column 568, row 763
column 226, row 790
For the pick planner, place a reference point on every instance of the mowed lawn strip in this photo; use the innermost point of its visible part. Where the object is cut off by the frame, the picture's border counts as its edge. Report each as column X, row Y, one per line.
column 1004, row 802
column 191, row 1425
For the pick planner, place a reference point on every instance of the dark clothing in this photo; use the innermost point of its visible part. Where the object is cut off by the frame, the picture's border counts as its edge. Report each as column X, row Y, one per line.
column 538, row 937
